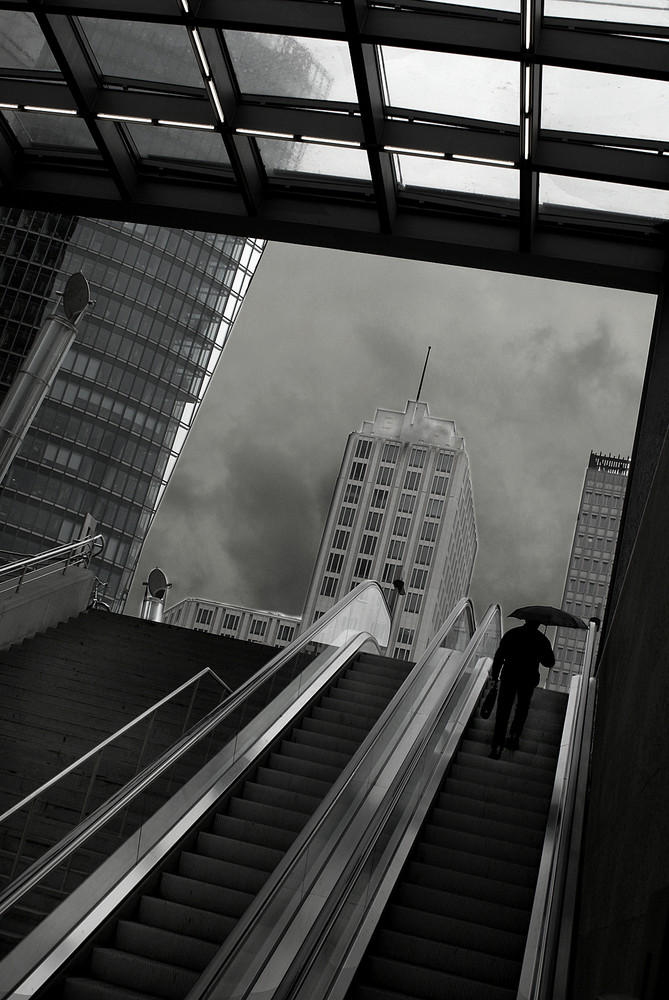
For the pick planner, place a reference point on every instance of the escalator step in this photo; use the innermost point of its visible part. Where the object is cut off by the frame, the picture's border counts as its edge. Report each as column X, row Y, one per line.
column 493, row 940
column 497, row 795
column 328, row 727
column 355, row 702
column 325, row 741
column 314, row 754
column 462, row 907
column 526, row 819
column 231, row 903
column 476, row 886
column 476, row 864
column 511, row 778
column 254, row 832
column 169, row 982
column 352, row 685
column 480, row 824
column 266, row 815
column 539, row 776
column 544, row 762
column 303, row 766
column 484, row 843
column 468, row 962
column 190, row 920
column 222, row 873
column 164, row 946
column 92, row 989
column 271, row 777
column 428, row 984
column 238, row 852
column 281, row 798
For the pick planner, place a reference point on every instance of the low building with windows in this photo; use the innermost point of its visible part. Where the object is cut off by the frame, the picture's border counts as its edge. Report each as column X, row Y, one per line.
column 591, row 560
column 271, row 628
column 402, row 509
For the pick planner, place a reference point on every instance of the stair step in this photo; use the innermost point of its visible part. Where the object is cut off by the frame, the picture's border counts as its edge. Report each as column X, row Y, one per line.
column 163, row 945
column 184, row 919
column 429, row 984
column 169, row 982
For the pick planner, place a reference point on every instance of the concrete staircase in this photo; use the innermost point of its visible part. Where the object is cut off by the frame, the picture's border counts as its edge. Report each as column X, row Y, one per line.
column 457, row 921
column 163, row 943
column 61, row 693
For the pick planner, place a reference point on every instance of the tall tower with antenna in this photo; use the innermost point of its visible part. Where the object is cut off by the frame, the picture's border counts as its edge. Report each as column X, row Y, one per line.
column 402, row 509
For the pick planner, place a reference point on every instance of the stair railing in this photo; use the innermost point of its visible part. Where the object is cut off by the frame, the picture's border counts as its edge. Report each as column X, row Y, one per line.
column 545, row 968
column 286, row 685
column 58, row 560
column 92, row 759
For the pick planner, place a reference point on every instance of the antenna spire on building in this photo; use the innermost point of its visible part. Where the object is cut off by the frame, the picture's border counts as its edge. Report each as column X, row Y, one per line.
column 423, row 375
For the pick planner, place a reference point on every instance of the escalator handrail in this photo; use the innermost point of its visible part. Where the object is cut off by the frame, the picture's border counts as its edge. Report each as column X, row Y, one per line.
column 560, row 854
column 108, row 742
column 384, row 730
column 56, row 855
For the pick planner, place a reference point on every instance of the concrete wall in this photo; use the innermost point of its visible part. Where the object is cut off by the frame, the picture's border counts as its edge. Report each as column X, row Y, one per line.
column 626, row 861
column 43, row 601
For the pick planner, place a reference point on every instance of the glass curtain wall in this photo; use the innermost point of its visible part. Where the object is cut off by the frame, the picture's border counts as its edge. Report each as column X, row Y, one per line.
column 108, row 435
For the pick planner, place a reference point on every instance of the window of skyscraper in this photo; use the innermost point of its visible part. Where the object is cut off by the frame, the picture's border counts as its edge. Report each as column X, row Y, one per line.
column 258, row 627
column 231, row 622
column 352, row 493
column 340, row 540
column 329, row 586
column 204, row 616
column 385, row 475
column 358, row 470
column 363, row 448
column 379, row 499
column 335, row 561
column 346, row 516
column 390, row 452
column 396, row 549
column 374, row 521
column 417, row 458
column 401, row 526
column 368, row 544
column 407, row 503
column 362, row 568
column 411, row 480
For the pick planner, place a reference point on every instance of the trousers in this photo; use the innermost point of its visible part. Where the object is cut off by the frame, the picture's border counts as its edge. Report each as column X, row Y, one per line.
column 513, row 686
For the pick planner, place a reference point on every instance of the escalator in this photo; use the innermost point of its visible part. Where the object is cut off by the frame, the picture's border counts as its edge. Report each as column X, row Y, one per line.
column 457, row 920
column 167, row 935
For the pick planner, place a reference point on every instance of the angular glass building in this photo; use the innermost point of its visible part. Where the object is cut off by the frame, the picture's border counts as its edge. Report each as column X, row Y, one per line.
column 108, row 435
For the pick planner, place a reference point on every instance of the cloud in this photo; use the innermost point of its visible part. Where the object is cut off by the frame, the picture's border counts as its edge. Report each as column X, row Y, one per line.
column 534, row 373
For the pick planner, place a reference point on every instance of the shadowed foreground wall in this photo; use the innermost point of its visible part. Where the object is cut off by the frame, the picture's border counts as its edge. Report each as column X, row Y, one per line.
column 626, row 858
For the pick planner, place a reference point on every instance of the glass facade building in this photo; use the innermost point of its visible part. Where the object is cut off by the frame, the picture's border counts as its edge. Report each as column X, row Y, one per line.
column 109, row 433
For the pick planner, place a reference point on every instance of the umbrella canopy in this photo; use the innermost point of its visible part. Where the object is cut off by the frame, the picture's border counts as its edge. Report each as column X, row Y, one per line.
column 546, row 615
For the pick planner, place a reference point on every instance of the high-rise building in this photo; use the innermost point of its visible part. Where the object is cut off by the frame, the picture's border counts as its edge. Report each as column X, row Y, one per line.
column 235, row 621
column 109, row 433
column 402, row 509
column 591, row 559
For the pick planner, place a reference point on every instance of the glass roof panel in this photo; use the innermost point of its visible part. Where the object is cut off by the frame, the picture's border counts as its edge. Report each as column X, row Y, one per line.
column 620, row 12
column 602, row 196
column 281, row 157
column 138, row 50
column 36, row 130
column 450, row 84
column 286, row 66
column 183, row 144
column 22, row 44
column 604, row 104
column 456, row 175
column 506, row 5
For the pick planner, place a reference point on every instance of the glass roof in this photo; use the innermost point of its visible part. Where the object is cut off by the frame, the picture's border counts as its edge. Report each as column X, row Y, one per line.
column 541, row 127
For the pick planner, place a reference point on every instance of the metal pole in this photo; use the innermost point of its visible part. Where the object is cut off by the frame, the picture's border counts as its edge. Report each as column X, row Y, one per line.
column 423, row 375
column 39, row 369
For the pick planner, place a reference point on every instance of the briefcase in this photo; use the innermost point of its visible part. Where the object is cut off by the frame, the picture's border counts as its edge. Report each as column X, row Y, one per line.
column 489, row 702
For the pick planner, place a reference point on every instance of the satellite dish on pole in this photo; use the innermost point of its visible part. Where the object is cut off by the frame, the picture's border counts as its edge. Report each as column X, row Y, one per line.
column 76, row 297
column 154, row 597
column 157, row 584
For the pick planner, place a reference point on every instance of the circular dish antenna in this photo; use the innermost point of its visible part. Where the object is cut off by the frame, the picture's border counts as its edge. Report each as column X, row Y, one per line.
column 157, row 584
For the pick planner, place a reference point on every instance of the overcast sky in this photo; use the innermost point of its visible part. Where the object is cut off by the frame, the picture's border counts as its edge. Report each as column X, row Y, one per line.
column 535, row 374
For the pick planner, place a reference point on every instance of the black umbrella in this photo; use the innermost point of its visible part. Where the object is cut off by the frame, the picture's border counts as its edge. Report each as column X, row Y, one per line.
column 546, row 615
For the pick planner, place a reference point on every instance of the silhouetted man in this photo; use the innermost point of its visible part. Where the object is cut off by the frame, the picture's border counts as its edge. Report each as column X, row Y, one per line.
column 518, row 656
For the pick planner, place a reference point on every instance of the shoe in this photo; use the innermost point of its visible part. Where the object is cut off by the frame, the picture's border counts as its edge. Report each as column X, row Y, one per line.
column 512, row 742
column 495, row 753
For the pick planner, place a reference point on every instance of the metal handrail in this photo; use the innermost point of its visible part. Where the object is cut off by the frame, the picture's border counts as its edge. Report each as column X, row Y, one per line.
column 560, row 855
column 109, row 740
column 83, row 547
column 61, row 851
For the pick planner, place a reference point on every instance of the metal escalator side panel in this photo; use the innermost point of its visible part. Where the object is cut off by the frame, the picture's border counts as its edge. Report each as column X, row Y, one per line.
column 299, row 910
column 35, row 959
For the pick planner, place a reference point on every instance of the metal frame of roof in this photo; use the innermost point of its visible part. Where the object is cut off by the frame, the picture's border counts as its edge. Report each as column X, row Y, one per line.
column 618, row 250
